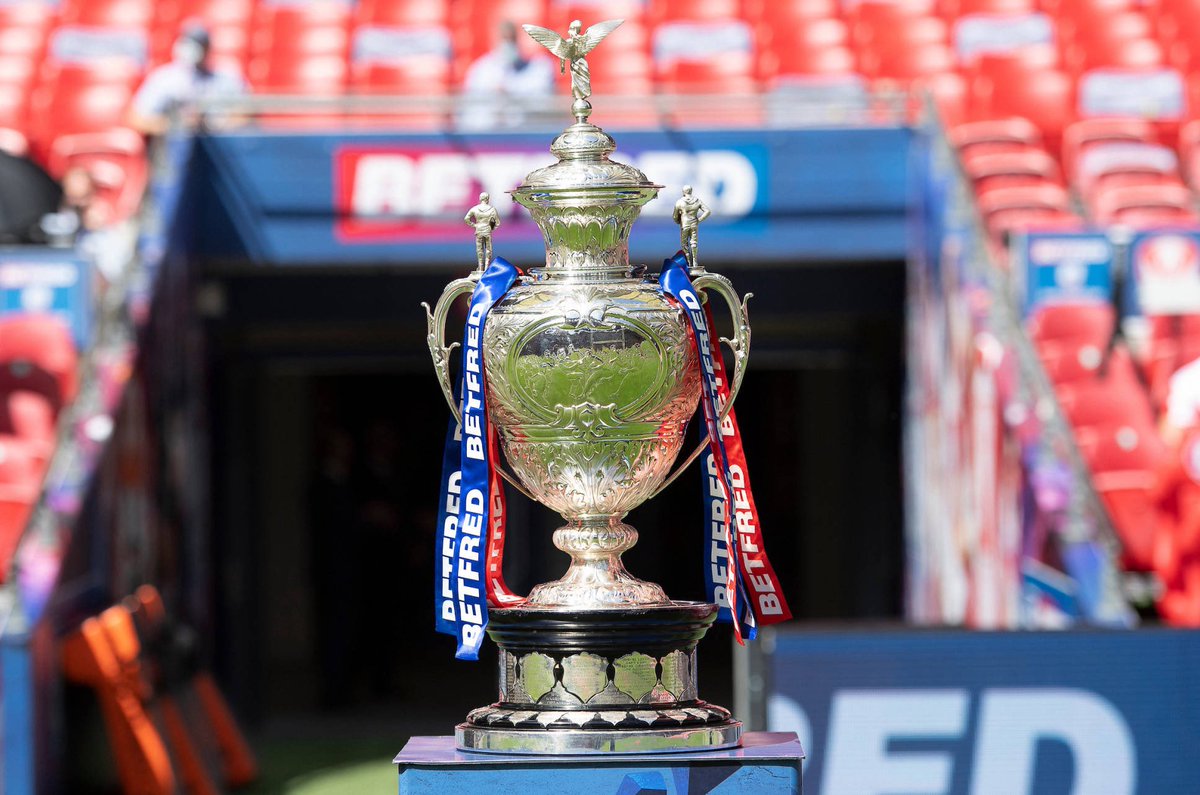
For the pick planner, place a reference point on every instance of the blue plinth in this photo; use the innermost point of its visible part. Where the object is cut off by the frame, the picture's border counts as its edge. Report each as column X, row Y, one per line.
column 767, row 763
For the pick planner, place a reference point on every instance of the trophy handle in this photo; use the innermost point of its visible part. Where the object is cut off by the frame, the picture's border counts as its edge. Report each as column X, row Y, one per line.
column 740, row 345
column 435, row 324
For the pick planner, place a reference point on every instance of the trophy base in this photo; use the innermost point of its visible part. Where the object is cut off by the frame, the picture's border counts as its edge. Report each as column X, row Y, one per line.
column 615, row 681
column 578, row 742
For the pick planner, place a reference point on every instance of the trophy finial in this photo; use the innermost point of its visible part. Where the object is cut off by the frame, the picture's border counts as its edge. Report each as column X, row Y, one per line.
column 485, row 219
column 572, row 50
column 689, row 212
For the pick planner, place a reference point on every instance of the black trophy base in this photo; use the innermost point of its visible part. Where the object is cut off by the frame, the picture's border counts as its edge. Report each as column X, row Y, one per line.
column 617, row 681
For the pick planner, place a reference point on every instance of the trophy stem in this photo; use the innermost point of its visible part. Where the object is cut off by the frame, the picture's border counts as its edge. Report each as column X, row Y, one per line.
column 596, row 578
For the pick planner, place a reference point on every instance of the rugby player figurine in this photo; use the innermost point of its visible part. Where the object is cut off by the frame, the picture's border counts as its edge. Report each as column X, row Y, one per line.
column 485, row 219
column 689, row 212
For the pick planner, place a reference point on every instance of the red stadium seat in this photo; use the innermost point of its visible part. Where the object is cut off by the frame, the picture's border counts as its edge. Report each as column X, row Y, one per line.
column 880, row 13
column 807, row 33
column 18, row 465
column 629, row 72
column 14, row 106
column 27, row 14
column 1130, row 499
column 1106, row 405
column 1012, row 134
column 916, row 61
column 1073, row 325
column 213, row 13
column 1003, row 223
column 402, row 12
column 475, row 23
column 791, row 12
column 815, row 61
column 1068, row 363
column 288, row 73
column 108, row 13
column 1090, row 132
column 37, row 355
column 1189, row 150
column 412, row 76
column 1090, row 29
column 891, row 35
column 1124, row 448
column 994, row 169
column 319, row 27
column 723, row 76
column 17, row 70
column 1130, row 54
column 22, row 42
column 29, row 416
column 949, row 92
column 636, row 13
column 16, row 507
column 66, row 109
column 1046, row 98
column 1142, row 202
column 959, row 8
column 120, row 149
column 667, row 10
column 1078, row 9
column 1033, row 197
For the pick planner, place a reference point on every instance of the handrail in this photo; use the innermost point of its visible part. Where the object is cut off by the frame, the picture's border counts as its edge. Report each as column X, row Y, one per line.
column 1086, row 515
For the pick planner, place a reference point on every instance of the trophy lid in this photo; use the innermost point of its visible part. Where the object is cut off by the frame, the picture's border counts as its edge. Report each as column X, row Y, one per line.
column 585, row 189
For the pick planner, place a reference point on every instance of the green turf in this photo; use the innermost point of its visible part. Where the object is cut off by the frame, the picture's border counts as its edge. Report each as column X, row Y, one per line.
column 325, row 767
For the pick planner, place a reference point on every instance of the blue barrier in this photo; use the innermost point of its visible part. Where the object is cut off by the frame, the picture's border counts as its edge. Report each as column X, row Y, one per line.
column 1060, row 267
column 55, row 281
column 964, row 713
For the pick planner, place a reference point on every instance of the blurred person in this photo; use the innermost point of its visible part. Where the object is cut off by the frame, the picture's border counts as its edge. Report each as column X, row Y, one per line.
column 27, row 194
column 500, row 81
column 1183, row 404
column 78, row 210
column 177, row 88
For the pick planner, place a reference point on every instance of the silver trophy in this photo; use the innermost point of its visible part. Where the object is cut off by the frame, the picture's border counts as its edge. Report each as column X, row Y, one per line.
column 591, row 378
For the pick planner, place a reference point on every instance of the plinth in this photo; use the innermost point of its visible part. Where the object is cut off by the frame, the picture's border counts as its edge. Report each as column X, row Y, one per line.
column 599, row 682
column 766, row 763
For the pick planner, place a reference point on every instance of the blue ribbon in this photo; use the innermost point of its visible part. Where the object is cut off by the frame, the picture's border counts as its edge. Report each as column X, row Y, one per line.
column 674, row 282
column 462, row 593
column 444, row 580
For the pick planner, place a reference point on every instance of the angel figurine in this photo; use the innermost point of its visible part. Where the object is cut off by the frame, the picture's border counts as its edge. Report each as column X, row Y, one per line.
column 572, row 50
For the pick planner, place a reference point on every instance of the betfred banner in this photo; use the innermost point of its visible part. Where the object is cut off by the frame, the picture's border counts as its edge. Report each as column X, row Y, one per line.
column 829, row 194
column 1062, row 267
column 1165, row 271
column 1003, row 713
column 47, row 281
column 419, row 192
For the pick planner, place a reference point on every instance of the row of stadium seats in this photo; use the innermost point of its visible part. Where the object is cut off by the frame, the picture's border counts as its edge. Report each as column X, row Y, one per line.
column 1108, row 171
column 37, row 378
column 1151, row 491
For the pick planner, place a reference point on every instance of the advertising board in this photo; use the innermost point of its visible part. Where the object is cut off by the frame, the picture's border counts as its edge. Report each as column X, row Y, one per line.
column 990, row 713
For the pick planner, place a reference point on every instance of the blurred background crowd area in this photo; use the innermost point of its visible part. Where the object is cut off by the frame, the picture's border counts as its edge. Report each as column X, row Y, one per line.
column 255, row 441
